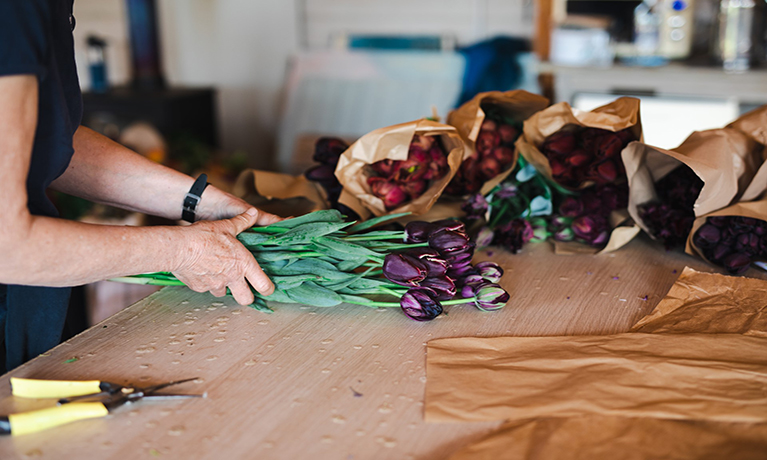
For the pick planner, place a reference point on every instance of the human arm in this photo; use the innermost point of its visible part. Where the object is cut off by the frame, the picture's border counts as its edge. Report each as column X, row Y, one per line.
column 38, row 250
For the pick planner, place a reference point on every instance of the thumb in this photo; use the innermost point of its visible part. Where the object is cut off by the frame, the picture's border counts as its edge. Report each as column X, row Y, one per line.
column 245, row 220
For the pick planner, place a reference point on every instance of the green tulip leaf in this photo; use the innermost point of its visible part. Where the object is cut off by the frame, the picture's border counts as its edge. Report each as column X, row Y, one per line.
column 310, row 293
column 306, row 233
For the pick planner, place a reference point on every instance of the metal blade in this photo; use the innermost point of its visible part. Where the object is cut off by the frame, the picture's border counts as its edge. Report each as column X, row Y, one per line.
column 152, row 389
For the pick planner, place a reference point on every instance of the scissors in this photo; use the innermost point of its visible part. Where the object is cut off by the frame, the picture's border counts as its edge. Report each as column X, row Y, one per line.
column 78, row 400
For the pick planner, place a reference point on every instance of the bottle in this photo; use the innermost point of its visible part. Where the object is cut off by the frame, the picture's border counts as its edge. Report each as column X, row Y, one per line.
column 646, row 34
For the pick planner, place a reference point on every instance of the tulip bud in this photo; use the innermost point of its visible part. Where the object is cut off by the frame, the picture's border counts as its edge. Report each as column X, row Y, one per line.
column 484, row 237
column 475, row 206
column 324, row 174
column 490, row 297
column 384, row 168
column 490, row 271
column 415, row 188
column 737, row 263
column 503, row 155
column 449, row 224
column 606, row 172
column 390, row 193
column 571, row 207
column 447, row 241
column 420, row 304
column 403, row 269
column 435, row 265
column 565, row 234
column 461, row 271
column 327, row 150
column 707, row 236
column 489, row 167
column 508, row 133
column 609, row 146
column 443, row 286
column 487, row 141
column 418, row 231
column 513, row 235
column 560, row 143
column 578, row 158
column 506, row 190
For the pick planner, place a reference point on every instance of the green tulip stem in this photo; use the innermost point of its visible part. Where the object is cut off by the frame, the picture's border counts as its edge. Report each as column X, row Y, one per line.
column 396, row 304
column 395, row 247
column 373, row 237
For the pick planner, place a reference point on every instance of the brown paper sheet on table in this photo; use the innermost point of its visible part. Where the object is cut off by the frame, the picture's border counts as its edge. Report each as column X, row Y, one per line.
column 467, row 119
column 672, row 376
column 724, row 159
column 393, row 143
column 618, row 115
column 755, row 209
column 619, row 438
column 280, row 194
column 754, row 125
column 710, row 303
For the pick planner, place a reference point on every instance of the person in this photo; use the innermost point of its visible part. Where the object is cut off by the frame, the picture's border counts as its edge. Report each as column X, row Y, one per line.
column 42, row 145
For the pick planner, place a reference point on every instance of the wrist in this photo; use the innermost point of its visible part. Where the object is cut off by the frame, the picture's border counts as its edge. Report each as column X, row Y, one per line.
column 218, row 204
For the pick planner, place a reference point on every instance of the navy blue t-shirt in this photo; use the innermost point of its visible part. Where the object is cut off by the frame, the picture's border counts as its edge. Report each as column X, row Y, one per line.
column 36, row 39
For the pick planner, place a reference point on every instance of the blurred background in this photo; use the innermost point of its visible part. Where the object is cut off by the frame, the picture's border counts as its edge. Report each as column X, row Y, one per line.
column 223, row 85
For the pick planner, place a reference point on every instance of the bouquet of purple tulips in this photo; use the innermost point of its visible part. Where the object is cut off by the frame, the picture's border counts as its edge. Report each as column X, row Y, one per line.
column 320, row 259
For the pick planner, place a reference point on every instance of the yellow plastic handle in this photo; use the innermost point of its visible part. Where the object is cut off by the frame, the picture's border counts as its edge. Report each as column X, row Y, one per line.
column 33, row 388
column 39, row 420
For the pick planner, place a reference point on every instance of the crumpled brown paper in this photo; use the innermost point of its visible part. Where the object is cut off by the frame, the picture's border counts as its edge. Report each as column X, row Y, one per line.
column 754, row 125
column 393, row 143
column 724, row 159
column 669, row 376
column 280, row 194
column 710, row 303
column 619, row 438
column 754, row 209
column 618, row 115
column 467, row 119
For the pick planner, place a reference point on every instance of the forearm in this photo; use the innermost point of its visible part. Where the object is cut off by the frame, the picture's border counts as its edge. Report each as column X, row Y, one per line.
column 55, row 252
column 106, row 172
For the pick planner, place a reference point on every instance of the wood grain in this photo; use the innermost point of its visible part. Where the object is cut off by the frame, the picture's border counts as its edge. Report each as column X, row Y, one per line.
column 305, row 382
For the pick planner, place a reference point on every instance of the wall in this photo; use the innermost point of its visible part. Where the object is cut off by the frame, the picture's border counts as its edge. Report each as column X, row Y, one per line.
column 239, row 46
column 243, row 47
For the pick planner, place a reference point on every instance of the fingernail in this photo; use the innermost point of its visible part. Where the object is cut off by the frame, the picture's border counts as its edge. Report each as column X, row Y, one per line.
column 251, row 212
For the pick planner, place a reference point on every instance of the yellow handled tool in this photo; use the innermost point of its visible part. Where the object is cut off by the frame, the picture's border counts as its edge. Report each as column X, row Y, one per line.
column 94, row 399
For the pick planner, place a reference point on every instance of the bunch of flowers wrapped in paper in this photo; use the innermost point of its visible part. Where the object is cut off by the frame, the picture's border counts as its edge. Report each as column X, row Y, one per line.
column 320, row 259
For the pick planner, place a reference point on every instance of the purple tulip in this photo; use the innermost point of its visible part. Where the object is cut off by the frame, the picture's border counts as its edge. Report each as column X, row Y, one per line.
column 508, row 133
column 571, row 207
column 403, row 269
column 565, row 234
column 559, row 143
column 490, row 296
column 448, row 241
column 737, row 263
column 420, row 304
column 473, row 279
column 484, row 237
column 461, row 271
column 450, row 224
column 490, row 271
column 327, row 150
column 443, row 286
column 468, row 291
column 418, row 231
column 391, row 193
column 513, row 235
column 475, row 206
column 459, row 258
column 591, row 229
column 435, row 265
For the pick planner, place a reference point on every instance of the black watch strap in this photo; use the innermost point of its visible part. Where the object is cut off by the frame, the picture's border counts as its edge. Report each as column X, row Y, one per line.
column 193, row 198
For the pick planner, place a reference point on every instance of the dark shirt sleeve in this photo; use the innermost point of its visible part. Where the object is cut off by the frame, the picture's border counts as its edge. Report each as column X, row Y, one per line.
column 24, row 35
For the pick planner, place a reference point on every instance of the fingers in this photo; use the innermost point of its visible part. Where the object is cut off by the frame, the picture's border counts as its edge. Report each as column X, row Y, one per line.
column 258, row 279
column 245, row 220
column 241, row 292
column 264, row 218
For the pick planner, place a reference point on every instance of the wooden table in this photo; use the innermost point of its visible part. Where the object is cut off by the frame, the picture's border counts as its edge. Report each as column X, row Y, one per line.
column 305, row 382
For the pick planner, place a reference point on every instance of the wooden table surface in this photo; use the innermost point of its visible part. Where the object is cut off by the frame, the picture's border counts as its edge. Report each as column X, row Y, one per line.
column 338, row 383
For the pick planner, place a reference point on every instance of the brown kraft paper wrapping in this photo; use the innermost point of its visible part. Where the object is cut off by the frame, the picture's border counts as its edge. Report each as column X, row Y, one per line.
column 618, row 115
column 754, row 209
column 618, row 438
column 393, row 143
column 710, row 303
column 467, row 119
column 670, row 376
column 754, row 125
column 278, row 193
column 724, row 159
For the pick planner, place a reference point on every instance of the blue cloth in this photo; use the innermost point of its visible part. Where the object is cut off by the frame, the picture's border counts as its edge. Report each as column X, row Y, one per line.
column 492, row 65
column 36, row 39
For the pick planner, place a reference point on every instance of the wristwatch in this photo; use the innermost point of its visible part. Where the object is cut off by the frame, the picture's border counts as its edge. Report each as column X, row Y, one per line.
column 193, row 198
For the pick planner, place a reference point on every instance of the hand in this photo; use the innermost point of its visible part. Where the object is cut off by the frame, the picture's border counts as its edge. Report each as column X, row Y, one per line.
column 217, row 260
